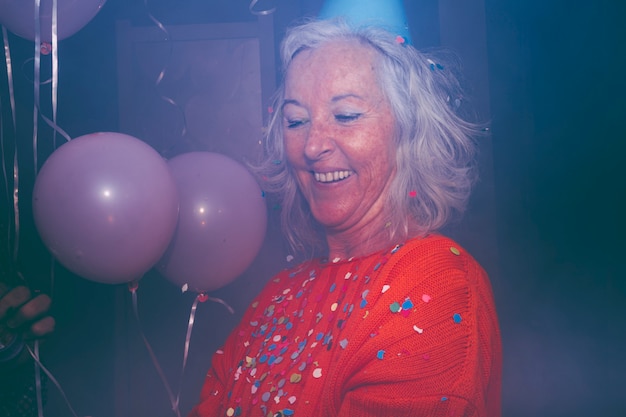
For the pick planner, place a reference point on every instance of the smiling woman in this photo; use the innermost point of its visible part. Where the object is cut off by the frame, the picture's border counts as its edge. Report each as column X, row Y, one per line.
column 339, row 143
column 369, row 158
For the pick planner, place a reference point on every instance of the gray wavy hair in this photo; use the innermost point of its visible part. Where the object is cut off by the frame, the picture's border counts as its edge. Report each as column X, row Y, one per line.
column 436, row 147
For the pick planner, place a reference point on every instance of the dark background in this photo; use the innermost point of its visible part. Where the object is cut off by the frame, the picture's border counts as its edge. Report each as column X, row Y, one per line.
column 557, row 94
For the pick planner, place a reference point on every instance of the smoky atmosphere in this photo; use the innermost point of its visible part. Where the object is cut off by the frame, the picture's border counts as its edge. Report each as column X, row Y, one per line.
column 183, row 92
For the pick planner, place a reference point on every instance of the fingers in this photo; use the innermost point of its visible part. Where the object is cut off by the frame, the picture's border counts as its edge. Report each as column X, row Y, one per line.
column 42, row 327
column 19, row 311
column 13, row 299
column 30, row 311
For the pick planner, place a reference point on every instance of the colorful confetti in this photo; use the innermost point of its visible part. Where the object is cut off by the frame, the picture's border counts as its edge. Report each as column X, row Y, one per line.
column 281, row 354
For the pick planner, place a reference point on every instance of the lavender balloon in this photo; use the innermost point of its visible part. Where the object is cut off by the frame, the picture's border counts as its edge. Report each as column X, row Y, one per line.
column 222, row 222
column 106, row 206
column 72, row 16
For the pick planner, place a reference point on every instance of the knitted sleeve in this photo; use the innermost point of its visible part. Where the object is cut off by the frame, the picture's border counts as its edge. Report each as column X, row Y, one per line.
column 429, row 345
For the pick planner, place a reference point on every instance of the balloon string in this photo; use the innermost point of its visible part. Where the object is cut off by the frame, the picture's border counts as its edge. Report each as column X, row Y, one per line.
column 192, row 317
column 16, row 206
column 163, row 71
column 5, row 175
column 16, row 210
column 260, row 12
column 36, row 84
column 37, row 81
column 40, row 366
column 222, row 302
column 38, row 382
column 55, row 70
column 133, row 289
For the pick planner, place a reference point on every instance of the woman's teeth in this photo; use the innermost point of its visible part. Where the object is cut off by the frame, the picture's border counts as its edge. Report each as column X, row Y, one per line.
column 331, row 176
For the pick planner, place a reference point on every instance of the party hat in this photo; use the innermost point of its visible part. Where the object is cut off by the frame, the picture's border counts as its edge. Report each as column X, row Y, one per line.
column 388, row 14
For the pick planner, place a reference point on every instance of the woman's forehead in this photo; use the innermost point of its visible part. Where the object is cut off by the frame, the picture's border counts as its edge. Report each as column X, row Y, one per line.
column 342, row 62
column 336, row 52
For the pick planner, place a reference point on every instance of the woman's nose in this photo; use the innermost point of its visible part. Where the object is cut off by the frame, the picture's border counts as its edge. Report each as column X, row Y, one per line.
column 319, row 140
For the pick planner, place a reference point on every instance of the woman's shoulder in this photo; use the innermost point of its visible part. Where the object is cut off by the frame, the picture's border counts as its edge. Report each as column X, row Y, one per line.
column 435, row 250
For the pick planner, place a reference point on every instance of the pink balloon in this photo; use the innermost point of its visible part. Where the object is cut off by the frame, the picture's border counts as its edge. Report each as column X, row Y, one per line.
column 72, row 16
column 106, row 206
column 221, row 224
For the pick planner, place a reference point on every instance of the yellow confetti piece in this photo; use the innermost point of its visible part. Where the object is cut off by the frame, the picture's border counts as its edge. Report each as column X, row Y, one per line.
column 295, row 378
column 455, row 251
column 334, row 307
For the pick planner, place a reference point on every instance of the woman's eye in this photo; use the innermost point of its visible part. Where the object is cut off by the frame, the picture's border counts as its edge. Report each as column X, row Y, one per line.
column 294, row 123
column 348, row 117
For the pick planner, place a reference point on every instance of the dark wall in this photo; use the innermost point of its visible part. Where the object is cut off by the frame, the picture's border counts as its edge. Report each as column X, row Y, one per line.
column 557, row 99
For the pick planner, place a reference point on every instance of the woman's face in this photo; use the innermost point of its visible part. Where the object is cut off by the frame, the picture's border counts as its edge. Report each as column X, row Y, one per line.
column 339, row 136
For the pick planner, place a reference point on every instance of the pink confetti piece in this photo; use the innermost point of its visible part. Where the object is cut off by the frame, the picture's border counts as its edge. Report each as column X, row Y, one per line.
column 426, row 298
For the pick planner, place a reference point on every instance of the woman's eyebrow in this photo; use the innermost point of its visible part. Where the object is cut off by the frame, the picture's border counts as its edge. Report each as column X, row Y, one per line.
column 290, row 101
column 347, row 95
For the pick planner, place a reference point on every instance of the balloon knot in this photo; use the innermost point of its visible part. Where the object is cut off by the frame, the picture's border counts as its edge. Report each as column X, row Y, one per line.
column 133, row 285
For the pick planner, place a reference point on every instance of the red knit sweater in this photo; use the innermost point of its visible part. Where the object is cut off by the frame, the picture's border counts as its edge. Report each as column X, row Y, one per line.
column 409, row 331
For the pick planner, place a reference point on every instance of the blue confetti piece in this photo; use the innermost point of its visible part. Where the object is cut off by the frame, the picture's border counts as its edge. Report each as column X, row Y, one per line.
column 407, row 305
column 457, row 318
column 287, row 412
column 363, row 303
column 380, row 354
column 444, row 398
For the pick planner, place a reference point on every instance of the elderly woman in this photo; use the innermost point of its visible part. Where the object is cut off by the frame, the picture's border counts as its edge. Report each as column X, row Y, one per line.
column 395, row 320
